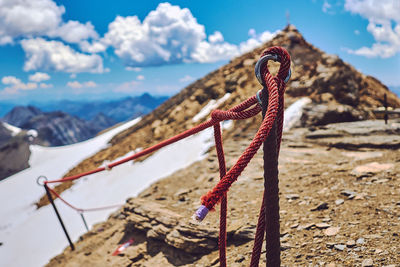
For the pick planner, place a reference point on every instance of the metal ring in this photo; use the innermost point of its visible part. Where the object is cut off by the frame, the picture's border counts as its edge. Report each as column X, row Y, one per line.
column 288, row 76
column 263, row 60
column 41, row 178
column 258, row 95
column 260, row 63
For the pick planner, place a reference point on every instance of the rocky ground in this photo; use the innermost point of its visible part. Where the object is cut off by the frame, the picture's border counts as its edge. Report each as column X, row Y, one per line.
column 339, row 200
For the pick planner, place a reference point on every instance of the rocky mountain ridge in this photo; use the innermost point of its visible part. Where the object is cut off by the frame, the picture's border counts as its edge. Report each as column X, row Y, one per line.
column 338, row 92
column 319, row 177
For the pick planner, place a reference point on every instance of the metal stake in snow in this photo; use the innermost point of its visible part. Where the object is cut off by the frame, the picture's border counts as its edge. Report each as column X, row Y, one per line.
column 50, row 198
column 84, row 221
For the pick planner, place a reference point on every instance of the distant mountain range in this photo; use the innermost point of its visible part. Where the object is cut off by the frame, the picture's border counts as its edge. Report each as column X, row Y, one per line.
column 61, row 123
column 118, row 110
column 68, row 122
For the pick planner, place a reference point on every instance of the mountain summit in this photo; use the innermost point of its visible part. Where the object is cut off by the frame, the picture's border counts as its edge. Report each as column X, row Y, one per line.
column 311, row 177
column 339, row 93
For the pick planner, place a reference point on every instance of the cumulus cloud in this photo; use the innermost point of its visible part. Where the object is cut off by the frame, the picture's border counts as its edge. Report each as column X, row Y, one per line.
column 74, row 32
column 216, row 37
column 15, row 85
column 39, row 77
column 169, row 35
column 255, row 40
column 140, row 77
column 28, row 19
column 45, row 85
column 211, row 52
column 384, row 25
column 92, row 47
column 78, row 85
column 21, row 18
column 10, row 80
column 56, row 56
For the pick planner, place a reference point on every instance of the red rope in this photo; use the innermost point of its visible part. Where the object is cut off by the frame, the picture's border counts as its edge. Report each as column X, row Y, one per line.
column 275, row 110
column 238, row 112
column 80, row 209
column 224, row 204
column 275, row 86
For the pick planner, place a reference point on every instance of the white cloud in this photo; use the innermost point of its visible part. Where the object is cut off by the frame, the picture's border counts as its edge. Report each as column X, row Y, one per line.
column 356, row 32
column 92, row 47
column 78, row 85
column 73, row 76
column 216, row 37
column 384, row 25
column 15, row 85
column 186, row 78
column 167, row 35
column 140, row 77
column 45, row 85
column 39, row 77
column 252, row 32
column 74, row 31
column 36, row 18
column 326, row 7
column 24, row 18
column 211, row 52
column 256, row 40
column 56, row 56
column 10, row 80
column 170, row 35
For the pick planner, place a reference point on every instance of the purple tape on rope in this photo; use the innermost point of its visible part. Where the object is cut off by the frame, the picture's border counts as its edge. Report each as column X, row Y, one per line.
column 200, row 213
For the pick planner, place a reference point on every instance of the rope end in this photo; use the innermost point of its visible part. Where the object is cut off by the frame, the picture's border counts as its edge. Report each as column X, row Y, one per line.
column 200, row 213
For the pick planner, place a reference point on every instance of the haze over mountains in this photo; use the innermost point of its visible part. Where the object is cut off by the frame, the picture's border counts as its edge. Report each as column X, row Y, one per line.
column 48, row 126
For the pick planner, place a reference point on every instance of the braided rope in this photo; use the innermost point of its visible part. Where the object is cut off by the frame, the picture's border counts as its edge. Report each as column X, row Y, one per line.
column 272, row 123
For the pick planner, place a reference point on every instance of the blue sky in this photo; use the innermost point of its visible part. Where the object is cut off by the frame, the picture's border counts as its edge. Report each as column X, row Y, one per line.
column 85, row 50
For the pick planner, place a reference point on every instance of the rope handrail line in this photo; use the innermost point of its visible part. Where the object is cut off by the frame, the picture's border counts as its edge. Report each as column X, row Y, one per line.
column 236, row 113
column 272, row 123
column 80, row 209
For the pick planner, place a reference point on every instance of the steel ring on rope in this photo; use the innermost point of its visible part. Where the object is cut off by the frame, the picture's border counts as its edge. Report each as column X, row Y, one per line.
column 41, row 180
column 264, row 60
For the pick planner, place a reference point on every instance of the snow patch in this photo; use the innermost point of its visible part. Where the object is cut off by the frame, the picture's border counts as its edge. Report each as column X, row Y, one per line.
column 37, row 235
column 32, row 133
column 293, row 113
column 13, row 129
column 213, row 104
